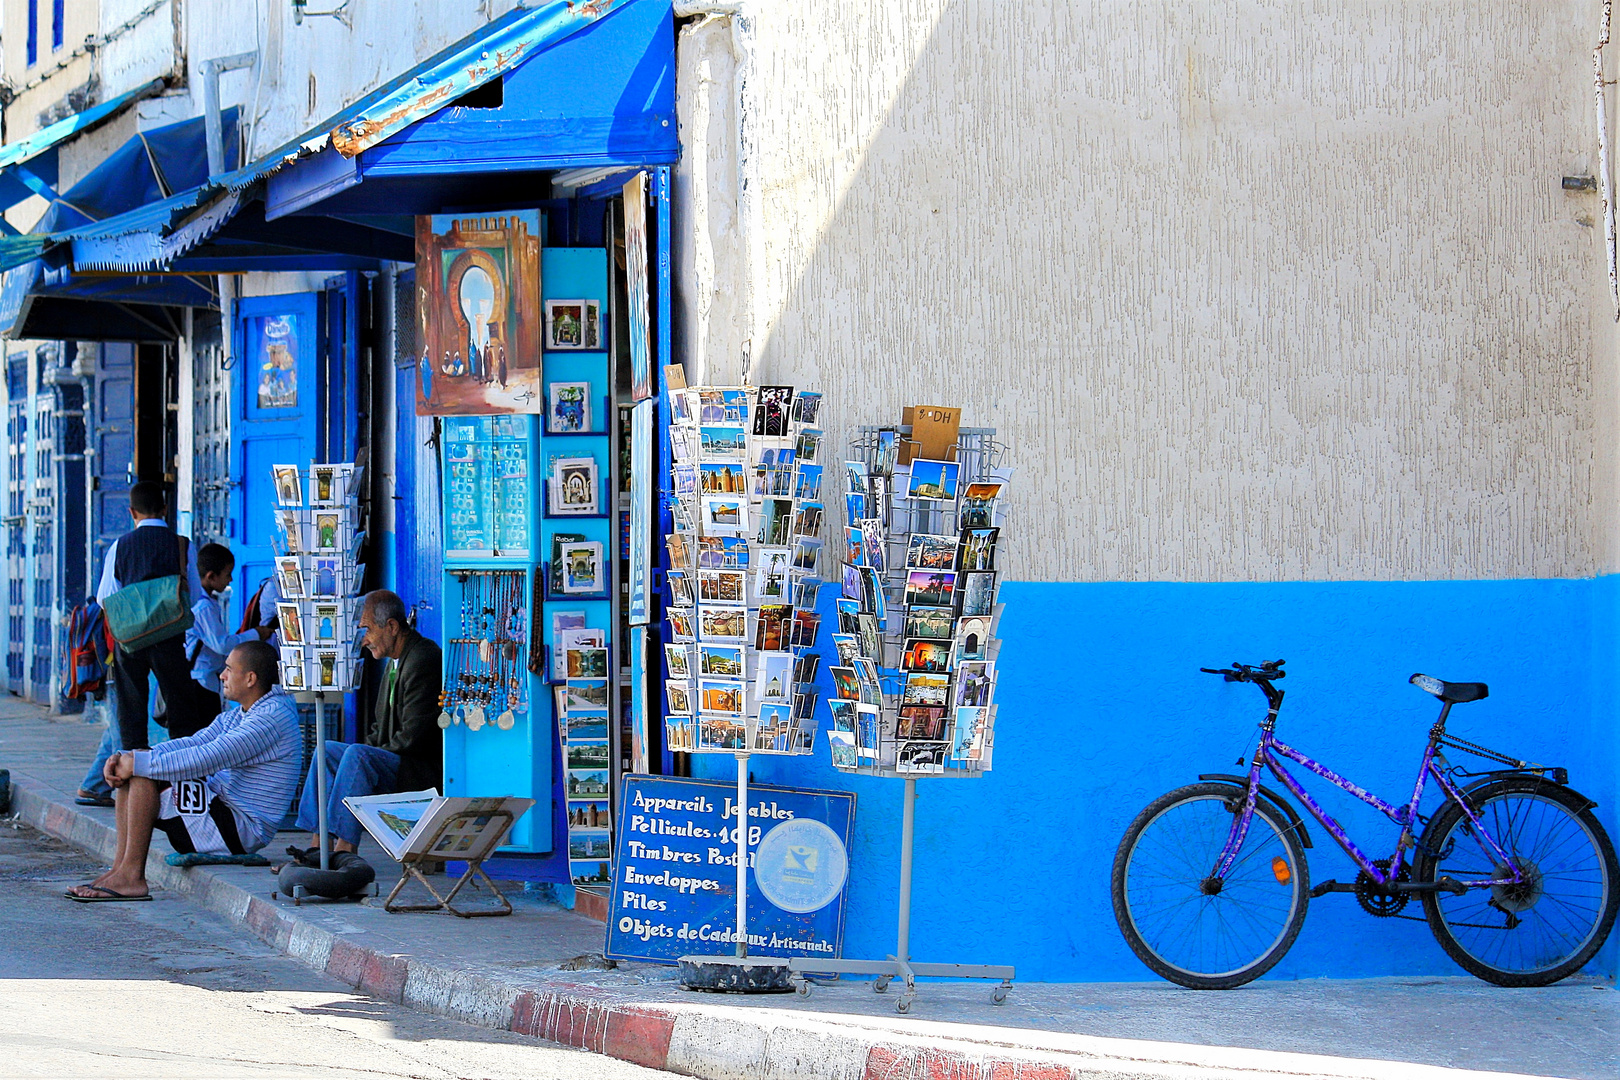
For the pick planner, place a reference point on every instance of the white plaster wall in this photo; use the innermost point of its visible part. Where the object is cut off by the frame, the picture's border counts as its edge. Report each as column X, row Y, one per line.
column 1256, row 290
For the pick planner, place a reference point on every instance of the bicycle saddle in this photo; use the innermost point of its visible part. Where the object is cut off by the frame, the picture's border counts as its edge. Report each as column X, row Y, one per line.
column 1455, row 692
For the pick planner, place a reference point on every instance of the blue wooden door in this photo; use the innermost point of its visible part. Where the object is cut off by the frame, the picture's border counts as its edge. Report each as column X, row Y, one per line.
column 275, row 390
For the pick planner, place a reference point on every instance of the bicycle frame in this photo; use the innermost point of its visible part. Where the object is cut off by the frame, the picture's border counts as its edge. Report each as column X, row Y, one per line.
column 1271, row 748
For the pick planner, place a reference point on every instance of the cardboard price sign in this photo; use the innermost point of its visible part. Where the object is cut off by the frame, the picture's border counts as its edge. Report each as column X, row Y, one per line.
column 933, row 433
column 675, row 871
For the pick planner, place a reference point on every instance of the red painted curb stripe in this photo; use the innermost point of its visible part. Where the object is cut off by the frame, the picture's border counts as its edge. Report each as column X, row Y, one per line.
column 640, row 1036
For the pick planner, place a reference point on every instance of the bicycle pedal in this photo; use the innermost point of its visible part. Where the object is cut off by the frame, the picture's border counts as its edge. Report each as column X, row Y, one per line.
column 1331, row 886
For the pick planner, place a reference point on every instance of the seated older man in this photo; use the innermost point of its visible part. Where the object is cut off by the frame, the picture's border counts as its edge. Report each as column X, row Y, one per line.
column 221, row 791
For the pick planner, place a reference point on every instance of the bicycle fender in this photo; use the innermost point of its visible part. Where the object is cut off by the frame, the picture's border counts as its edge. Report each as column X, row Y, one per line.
column 1295, row 822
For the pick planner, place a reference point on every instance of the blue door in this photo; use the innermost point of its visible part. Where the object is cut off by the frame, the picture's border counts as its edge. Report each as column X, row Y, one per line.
column 276, row 393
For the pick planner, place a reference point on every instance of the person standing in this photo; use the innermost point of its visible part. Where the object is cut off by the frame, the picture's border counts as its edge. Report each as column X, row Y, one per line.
column 151, row 550
column 207, row 643
column 404, row 748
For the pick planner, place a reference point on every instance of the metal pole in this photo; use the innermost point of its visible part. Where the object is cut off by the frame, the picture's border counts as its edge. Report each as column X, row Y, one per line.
column 907, row 821
column 742, row 855
column 320, row 777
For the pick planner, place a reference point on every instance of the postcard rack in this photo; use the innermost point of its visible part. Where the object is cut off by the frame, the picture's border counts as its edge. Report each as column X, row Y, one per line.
column 906, row 551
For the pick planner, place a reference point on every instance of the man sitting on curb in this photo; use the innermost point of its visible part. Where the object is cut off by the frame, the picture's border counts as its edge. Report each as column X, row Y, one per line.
column 222, row 790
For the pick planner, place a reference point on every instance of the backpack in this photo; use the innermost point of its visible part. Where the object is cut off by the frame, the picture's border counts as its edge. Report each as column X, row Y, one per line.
column 251, row 615
column 89, row 646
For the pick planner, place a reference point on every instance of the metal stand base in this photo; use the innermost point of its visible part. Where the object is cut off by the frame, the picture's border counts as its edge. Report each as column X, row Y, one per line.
column 900, row 965
column 803, row 968
column 736, row 974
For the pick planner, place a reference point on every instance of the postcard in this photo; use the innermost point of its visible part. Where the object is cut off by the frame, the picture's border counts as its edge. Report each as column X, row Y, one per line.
column 841, row 744
column 325, row 486
column 727, row 624
column 868, row 730
column 807, row 519
column 848, row 647
column 923, row 655
column 804, row 704
column 852, row 583
column 722, row 443
column 921, row 722
column 292, row 667
column 872, row 598
column 855, row 477
column 979, row 504
column 867, row 674
column 847, row 610
column 771, row 575
column 808, row 445
column 805, row 667
column 722, row 553
column 289, row 486
column 855, row 506
column 326, row 578
column 967, row 734
column 587, row 663
column 771, row 629
column 289, row 624
column 775, row 521
column 921, row 757
column 773, row 679
column 975, row 680
column 328, row 624
column 711, row 406
column 328, row 530
column 684, row 479
column 843, row 713
column 808, row 484
column 723, row 696
column 680, row 407
column 680, row 588
column 683, row 443
column 570, row 407
column 585, row 695
column 722, row 478
column 678, row 661
column 854, row 546
column 806, row 406
column 847, row 683
column 936, row 623
column 724, row 515
column 582, row 567
column 773, row 411
column 721, row 733
column 774, row 731
column 930, row 588
column 722, row 660
column 806, row 625
column 888, row 451
column 929, row 551
column 327, row 672
column 722, row 586
column 292, row 529
column 926, row 689
column 679, row 696
column 682, row 623
column 679, row 546
column 972, row 637
column 586, row 724
column 932, row 480
column 806, row 549
column 805, row 590
column 573, row 486
column 978, row 549
column 679, row 733
column 573, row 324
column 290, row 578
column 872, row 539
column 978, row 594
column 871, row 635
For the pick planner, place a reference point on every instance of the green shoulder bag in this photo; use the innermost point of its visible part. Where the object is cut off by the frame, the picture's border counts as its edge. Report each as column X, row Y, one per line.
column 151, row 611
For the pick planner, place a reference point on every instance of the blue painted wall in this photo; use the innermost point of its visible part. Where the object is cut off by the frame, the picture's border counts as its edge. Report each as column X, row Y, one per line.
column 1103, row 708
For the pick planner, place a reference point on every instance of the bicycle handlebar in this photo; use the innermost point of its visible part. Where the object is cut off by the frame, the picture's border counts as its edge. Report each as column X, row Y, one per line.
column 1266, row 672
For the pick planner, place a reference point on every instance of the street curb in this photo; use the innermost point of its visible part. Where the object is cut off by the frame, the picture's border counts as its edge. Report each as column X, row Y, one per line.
column 712, row 1042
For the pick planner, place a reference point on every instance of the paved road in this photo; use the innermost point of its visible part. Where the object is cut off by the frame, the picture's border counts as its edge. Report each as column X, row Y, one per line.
column 168, row 991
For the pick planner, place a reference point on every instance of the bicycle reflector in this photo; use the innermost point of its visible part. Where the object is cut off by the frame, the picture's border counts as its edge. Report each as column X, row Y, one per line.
column 1280, row 870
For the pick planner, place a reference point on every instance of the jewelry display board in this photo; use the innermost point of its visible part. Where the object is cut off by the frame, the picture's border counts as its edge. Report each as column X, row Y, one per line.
column 915, row 682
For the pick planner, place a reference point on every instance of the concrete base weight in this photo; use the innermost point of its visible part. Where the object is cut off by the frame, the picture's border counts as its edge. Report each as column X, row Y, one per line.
column 736, row 974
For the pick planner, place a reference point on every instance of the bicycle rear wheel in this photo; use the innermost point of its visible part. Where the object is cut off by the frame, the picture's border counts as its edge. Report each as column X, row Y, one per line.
column 1194, row 931
column 1550, row 925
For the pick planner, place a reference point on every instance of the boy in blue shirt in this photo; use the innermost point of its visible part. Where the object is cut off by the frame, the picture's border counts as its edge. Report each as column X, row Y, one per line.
column 207, row 643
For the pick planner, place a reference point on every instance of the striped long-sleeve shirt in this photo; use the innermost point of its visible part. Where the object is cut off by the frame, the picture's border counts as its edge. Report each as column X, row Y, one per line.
column 250, row 757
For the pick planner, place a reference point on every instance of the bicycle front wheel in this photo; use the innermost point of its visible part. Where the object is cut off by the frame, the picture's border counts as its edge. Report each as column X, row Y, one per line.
column 1556, row 918
column 1185, row 925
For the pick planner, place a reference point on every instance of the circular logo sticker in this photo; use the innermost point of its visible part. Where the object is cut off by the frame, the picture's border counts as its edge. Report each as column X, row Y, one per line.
column 801, row 865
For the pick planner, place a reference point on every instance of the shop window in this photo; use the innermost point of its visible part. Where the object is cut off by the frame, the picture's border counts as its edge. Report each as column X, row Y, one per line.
column 33, row 32
column 58, row 21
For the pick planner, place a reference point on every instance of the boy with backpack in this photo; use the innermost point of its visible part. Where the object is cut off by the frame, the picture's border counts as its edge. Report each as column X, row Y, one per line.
column 207, row 643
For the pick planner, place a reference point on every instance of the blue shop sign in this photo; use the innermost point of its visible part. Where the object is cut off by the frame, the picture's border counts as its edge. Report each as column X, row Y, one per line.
column 675, row 870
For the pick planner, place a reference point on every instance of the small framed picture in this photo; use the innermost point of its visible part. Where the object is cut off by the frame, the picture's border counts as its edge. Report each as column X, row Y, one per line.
column 573, row 324
column 582, row 567
column 934, row 480
column 289, row 488
column 569, row 408
column 573, row 486
column 290, row 578
column 292, row 668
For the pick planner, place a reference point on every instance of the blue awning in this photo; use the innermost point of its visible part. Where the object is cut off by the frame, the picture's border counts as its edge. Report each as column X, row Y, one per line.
column 28, row 166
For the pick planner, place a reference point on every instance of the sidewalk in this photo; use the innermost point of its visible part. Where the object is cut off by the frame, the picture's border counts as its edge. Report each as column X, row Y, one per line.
column 533, row 973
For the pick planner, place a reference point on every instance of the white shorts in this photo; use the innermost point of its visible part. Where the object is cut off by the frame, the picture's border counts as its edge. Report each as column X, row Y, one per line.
column 196, row 818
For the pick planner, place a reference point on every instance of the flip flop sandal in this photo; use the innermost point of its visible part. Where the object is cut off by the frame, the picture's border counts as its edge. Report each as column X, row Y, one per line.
column 107, row 896
column 86, row 799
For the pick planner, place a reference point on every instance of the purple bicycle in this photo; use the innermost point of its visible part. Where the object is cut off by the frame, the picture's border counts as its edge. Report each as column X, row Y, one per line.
column 1516, row 875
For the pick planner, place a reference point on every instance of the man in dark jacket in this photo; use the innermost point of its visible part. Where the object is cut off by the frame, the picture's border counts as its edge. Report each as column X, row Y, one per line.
column 152, row 550
column 404, row 748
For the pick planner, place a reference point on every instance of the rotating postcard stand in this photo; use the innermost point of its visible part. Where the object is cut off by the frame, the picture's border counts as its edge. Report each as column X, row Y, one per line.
column 746, row 478
column 916, row 652
column 318, row 539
